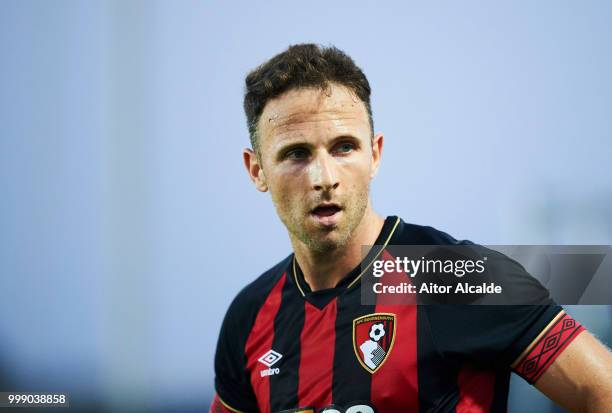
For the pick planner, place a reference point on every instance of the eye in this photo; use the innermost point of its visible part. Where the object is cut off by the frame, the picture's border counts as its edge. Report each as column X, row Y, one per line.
column 297, row 154
column 344, row 147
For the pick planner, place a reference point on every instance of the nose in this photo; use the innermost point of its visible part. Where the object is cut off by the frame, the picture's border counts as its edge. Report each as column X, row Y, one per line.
column 323, row 173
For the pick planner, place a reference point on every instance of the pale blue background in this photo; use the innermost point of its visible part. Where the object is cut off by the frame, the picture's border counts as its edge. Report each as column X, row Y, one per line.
column 127, row 222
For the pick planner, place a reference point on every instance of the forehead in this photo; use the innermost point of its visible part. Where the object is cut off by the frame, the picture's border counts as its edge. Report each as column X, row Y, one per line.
column 311, row 109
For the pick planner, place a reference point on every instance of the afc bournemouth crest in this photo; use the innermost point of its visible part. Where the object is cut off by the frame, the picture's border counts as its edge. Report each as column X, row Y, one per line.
column 373, row 336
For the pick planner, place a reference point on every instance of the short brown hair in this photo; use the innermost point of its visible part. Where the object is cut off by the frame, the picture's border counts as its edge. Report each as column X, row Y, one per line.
column 301, row 66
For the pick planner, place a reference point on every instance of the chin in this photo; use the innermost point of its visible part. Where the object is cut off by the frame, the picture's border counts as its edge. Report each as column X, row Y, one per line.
column 331, row 242
column 323, row 246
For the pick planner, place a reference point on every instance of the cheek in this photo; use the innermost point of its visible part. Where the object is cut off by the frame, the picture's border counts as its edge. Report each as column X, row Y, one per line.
column 357, row 170
column 287, row 191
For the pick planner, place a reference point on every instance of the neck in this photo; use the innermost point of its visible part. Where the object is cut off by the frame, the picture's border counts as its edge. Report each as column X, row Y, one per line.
column 325, row 269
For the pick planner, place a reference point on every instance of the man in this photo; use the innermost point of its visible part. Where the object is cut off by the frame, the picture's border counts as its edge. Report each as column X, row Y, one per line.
column 299, row 339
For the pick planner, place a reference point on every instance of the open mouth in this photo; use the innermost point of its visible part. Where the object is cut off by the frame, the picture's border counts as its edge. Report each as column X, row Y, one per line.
column 326, row 210
column 327, row 215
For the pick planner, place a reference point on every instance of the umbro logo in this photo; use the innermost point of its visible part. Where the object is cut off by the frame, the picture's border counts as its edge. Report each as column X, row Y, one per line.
column 269, row 359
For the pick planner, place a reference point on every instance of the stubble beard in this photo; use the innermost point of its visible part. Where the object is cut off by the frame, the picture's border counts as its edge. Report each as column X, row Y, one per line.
column 354, row 211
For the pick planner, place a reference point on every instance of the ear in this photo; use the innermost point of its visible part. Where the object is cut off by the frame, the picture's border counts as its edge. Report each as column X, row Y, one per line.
column 377, row 147
column 254, row 169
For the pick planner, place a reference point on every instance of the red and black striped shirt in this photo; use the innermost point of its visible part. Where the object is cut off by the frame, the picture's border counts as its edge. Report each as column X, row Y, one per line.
column 284, row 348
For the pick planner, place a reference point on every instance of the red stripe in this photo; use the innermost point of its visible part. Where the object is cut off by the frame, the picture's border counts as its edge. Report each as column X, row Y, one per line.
column 476, row 389
column 260, row 341
column 217, row 407
column 318, row 340
column 394, row 279
column 395, row 385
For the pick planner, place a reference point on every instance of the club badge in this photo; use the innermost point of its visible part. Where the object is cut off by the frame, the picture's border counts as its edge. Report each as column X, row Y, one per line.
column 373, row 336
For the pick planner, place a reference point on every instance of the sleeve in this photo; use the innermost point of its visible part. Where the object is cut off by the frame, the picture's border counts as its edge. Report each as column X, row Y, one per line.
column 232, row 382
column 526, row 337
column 546, row 347
column 219, row 406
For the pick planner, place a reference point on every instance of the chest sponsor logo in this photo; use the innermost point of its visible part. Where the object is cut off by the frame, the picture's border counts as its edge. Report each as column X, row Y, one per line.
column 373, row 336
column 269, row 359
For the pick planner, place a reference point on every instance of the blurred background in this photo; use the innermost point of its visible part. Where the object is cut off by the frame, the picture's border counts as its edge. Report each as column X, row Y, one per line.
column 127, row 221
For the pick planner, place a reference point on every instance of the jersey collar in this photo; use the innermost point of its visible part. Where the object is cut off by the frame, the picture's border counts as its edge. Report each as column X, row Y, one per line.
column 352, row 278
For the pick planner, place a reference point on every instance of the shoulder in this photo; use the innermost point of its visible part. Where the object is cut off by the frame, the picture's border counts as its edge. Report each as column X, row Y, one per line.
column 413, row 234
column 248, row 301
column 232, row 382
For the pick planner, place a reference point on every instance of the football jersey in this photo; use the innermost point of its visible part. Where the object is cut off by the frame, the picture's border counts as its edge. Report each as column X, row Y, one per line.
column 285, row 348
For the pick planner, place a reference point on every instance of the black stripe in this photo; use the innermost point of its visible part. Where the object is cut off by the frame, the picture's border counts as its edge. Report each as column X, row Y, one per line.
column 288, row 326
column 438, row 390
column 351, row 381
column 500, row 393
